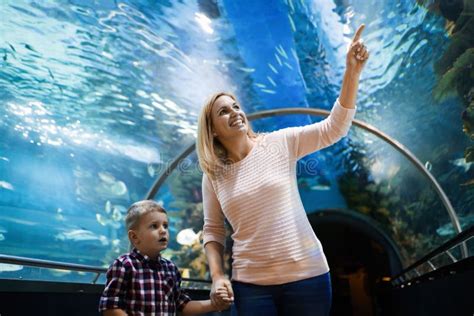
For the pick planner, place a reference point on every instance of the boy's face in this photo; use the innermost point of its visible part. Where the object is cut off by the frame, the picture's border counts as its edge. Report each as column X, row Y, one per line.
column 152, row 235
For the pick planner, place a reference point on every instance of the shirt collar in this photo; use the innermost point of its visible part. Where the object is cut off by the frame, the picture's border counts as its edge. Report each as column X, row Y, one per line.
column 142, row 257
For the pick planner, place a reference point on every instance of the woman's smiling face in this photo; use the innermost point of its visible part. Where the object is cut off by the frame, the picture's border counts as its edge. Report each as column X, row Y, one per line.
column 228, row 118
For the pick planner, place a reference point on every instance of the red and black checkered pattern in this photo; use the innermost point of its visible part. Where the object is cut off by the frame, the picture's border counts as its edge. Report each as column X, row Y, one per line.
column 142, row 286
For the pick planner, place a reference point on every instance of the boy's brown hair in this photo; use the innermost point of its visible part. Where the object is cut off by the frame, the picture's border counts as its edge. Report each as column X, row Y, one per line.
column 138, row 209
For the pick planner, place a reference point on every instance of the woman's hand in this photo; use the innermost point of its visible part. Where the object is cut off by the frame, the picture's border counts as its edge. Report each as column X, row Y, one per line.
column 218, row 295
column 357, row 54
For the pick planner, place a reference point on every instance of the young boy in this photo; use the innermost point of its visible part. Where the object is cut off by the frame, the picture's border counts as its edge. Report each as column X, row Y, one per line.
column 142, row 282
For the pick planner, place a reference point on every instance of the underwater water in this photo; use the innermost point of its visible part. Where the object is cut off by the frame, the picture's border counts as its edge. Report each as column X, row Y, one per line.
column 98, row 97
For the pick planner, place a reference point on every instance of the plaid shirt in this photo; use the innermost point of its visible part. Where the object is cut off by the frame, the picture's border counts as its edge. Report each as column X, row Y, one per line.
column 141, row 286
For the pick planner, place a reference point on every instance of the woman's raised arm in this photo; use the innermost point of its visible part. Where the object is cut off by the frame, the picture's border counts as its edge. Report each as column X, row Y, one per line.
column 356, row 58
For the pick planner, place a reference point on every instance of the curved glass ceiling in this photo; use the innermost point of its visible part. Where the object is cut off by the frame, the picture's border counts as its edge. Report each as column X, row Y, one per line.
column 98, row 97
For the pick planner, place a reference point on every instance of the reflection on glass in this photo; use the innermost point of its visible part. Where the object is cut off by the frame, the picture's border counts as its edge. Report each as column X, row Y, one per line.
column 11, row 271
column 98, row 97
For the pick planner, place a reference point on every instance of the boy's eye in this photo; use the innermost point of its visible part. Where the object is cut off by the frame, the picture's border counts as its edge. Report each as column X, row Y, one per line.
column 154, row 226
column 165, row 226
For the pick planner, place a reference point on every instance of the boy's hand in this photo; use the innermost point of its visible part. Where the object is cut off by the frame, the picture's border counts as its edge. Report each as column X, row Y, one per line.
column 224, row 301
column 221, row 284
column 220, row 306
column 223, row 294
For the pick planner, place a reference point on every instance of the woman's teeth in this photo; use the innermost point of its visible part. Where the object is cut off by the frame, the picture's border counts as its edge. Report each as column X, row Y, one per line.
column 238, row 122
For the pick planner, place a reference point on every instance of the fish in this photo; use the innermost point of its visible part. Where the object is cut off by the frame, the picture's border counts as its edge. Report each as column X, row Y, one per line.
column 319, row 183
column 6, row 267
column 117, row 188
column 116, row 215
column 448, row 228
column 271, row 81
column 28, row 46
column 272, row 68
column 248, row 70
column 108, row 207
column 50, row 73
column 187, row 237
column 59, row 216
column 461, row 163
column 428, row 165
column 112, row 221
column 81, row 235
column 107, row 177
column 320, row 188
column 151, row 170
column 6, row 185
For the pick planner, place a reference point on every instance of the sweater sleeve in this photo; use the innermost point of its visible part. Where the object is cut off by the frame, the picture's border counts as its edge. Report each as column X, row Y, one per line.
column 214, row 227
column 307, row 139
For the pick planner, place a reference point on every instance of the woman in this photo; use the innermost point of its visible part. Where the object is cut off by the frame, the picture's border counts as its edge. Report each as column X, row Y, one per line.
column 279, row 267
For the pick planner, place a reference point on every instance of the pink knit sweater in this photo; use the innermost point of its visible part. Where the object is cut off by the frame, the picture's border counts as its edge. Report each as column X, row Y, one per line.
column 273, row 239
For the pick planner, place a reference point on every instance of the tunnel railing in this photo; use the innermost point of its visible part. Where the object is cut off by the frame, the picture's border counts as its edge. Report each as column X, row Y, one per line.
column 428, row 264
column 402, row 279
column 47, row 264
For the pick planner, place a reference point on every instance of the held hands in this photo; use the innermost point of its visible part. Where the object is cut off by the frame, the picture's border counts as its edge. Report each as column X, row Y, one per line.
column 357, row 54
column 223, row 300
column 222, row 295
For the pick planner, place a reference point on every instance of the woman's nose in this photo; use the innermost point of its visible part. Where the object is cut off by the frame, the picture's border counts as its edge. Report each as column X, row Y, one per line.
column 235, row 111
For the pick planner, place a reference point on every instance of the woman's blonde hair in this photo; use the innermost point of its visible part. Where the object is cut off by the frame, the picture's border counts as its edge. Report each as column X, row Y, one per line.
column 211, row 153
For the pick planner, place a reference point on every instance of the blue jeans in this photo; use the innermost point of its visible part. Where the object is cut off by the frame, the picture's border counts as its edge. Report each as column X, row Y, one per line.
column 306, row 297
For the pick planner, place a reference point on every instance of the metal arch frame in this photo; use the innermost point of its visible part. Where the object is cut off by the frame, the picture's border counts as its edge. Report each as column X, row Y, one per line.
column 320, row 112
